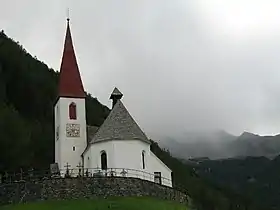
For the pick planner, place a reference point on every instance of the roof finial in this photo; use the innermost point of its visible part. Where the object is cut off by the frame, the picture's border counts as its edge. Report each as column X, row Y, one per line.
column 68, row 15
column 115, row 96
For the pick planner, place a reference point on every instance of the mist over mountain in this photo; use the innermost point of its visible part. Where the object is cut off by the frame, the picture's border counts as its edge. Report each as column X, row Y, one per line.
column 248, row 164
column 220, row 144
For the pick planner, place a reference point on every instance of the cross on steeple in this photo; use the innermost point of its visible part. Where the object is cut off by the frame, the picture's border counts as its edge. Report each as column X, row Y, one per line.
column 70, row 83
column 68, row 15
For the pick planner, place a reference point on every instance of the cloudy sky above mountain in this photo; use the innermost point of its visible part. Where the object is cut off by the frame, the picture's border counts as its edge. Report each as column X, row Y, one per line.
column 182, row 65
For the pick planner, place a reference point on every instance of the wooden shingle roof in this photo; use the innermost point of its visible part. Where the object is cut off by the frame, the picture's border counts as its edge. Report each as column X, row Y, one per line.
column 119, row 125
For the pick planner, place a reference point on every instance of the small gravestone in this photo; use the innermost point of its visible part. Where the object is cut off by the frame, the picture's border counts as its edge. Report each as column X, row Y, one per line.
column 67, row 174
column 87, row 173
column 54, row 170
column 7, row 177
column 123, row 173
column 31, row 174
column 21, row 175
column 112, row 173
column 80, row 167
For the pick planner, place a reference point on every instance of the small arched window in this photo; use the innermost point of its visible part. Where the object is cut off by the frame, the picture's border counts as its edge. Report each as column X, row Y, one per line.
column 72, row 111
column 143, row 159
column 103, row 160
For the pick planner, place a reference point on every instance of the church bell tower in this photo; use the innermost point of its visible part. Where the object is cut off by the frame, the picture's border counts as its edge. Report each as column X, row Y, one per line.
column 70, row 113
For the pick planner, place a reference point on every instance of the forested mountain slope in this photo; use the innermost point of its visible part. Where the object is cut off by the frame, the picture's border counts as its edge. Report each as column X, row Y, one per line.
column 206, row 194
column 254, row 177
column 27, row 94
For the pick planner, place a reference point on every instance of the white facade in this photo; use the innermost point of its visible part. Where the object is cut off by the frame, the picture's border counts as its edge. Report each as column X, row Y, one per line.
column 119, row 143
column 69, row 149
column 127, row 154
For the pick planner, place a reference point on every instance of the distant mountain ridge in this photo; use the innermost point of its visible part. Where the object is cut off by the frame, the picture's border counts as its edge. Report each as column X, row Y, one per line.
column 220, row 145
column 246, row 135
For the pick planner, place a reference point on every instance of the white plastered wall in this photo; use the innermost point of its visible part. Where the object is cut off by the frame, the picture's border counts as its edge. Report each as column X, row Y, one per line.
column 64, row 145
column 127, row 154
column 157, row 165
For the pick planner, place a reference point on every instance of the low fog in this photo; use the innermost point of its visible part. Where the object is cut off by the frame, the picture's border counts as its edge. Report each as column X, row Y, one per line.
column 182, row 65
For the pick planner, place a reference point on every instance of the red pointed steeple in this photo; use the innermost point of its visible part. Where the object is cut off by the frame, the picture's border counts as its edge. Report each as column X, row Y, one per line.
column 70, row 83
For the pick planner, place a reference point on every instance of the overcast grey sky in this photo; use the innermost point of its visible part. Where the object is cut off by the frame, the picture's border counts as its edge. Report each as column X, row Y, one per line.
column 181, row 64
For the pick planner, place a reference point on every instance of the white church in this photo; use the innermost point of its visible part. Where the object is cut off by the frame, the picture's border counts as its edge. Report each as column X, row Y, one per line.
column 118, row 146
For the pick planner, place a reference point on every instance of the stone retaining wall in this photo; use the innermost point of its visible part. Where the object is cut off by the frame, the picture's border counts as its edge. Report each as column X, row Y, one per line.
column 85, row 188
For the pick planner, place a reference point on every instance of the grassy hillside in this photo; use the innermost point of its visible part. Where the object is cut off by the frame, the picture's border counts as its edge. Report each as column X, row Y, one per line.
column 121, row 203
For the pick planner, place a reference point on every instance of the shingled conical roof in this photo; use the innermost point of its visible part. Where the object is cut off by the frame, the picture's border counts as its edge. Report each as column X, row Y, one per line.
column 70, row 83
column 119, row 125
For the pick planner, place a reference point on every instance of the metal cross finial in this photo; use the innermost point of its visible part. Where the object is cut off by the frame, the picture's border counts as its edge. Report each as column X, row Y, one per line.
column 68, row 15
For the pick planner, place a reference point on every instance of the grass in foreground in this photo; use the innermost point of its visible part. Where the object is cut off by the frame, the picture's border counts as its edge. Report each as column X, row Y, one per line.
column 120, row 203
